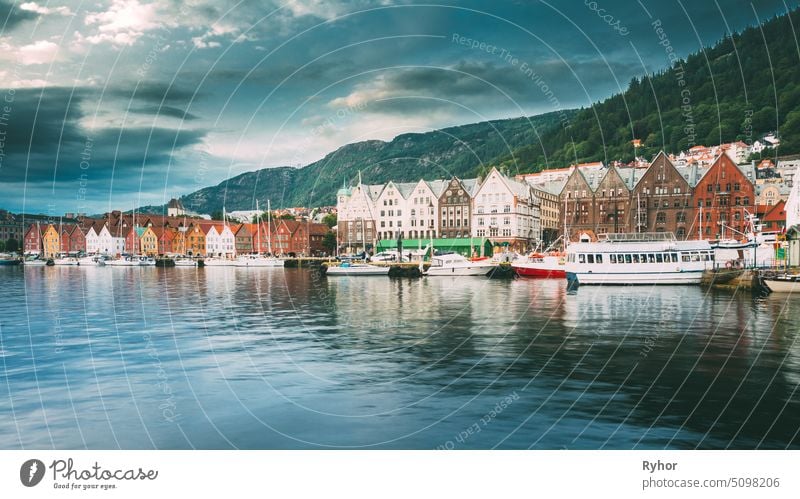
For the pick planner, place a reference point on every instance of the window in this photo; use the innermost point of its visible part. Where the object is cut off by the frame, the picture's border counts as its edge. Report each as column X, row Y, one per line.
column 659, row 258
column 710, row 188
column 661, row 217
column 628, row 258
column 590, row 258
column 598, row 258
column 612, row 258
column 581, row 258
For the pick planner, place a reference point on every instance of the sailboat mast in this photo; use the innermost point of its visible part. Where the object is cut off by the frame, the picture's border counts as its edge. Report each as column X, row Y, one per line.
column 258, row 230
column 269, row 229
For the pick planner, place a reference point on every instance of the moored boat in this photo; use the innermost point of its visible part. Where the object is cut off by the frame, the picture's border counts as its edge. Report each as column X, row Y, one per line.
column 453, row 264
column 258, row 261
column 356, row 269
column 8, row 260
column 788, row 283
column 185, row 262
column 643, row 258
column 541, row 265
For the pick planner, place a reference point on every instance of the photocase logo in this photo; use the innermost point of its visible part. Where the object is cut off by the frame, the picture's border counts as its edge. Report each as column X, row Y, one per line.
column 31, row 472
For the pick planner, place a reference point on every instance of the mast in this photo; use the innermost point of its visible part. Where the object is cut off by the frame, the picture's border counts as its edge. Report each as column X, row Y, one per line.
column 269, row 230
column 258, row 230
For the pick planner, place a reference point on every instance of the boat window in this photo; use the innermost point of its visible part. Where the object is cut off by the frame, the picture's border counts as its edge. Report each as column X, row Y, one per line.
column 589, row 258
column 598, row 258
column 685, row 257
column 674, row 258
column 635, row 258
column 643, row 258
column 581, row 258
column 612, row 258
column 695, row 256
column 627, row 258
column 651, row 258
column 660, row 258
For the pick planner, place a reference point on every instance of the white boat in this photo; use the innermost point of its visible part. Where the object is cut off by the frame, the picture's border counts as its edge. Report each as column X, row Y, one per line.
column 784, row 283
column 645, row 258
column 218, row 262
column 66, row 261
column 126, row 261
column 147, row 261
column 549, row 265
column 91, row 261
column 453, row 264
column 388, row 256
column 185, row 262
column 356, row 269
column 258, row 261
column 34, row 262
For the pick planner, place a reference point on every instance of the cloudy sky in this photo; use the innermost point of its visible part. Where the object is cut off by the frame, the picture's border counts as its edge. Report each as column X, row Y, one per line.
column 111, row 104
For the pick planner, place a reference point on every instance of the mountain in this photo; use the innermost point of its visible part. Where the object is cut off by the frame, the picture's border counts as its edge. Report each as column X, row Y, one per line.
column 437, row 154
column 743, row 87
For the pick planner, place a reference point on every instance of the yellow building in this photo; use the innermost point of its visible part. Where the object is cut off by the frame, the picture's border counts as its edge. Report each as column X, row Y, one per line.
column 51, row 242
column 148, row 241
column 195, row 241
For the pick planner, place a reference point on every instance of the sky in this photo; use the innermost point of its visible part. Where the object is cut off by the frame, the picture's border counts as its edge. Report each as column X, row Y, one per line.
column 121, row 103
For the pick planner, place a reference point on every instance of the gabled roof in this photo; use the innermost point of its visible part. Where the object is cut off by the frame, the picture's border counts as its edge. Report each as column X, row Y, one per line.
column 406, row 188
column 437, row 186
column 776, row 213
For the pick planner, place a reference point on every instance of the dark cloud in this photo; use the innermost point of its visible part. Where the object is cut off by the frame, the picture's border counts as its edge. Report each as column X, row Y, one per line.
column 156, row 93
column 11, row 15
column 172, row 112
column 46, row 149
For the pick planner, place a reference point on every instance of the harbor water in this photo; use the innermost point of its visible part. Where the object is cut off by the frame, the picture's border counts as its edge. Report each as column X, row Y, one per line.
column 264, row 358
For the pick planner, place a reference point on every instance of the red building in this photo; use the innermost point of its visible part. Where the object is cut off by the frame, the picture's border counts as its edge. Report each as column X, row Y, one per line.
column 33, row 238
column 722, row 198
column 775, row 218
column 77, row 239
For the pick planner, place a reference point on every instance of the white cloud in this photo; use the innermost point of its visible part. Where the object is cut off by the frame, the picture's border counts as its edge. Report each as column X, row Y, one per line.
column 39, row 9
column 41, row 52
column 123, row 23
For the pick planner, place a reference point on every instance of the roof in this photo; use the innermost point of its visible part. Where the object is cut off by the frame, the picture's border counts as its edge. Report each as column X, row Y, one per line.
column 406, row 188
column 175, row 203
column 776, row 213
column 438, row 186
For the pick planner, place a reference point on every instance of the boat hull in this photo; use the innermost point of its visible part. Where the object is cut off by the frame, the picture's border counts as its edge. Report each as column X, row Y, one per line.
column 635, row 278
column 791, row 285
column 357, row 271
column 524, row 270
column 8, row 263
column 475, row 271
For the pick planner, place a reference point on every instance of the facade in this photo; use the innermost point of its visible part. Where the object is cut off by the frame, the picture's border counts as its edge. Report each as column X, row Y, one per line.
column 423, row 206
column 51, row 242
column 662, row 200
column 506, row 211
column 244, row 239
column 175, row 208
column 577, row 200
column 11, row 229
column 722, row 198
column 774, row 219
column 612, row 203
column 356, row 228
column 455, row 209
column 77, row 239
column 549, row 212
column 195, row 241
column 219, row 239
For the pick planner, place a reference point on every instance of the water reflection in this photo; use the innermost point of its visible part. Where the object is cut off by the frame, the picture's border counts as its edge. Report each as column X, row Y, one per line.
column 285, row 358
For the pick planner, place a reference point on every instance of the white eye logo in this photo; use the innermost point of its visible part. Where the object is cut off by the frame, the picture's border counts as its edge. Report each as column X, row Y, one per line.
column 31, row 472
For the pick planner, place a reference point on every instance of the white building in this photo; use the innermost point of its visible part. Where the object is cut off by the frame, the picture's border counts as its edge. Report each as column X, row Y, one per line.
column 102, row 243
column 220, row 240
column 506, row 211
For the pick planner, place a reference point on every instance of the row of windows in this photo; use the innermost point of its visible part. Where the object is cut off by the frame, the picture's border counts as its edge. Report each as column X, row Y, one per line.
column 662, row 257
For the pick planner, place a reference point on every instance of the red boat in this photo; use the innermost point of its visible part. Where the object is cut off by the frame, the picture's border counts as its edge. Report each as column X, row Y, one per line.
column 539, row 265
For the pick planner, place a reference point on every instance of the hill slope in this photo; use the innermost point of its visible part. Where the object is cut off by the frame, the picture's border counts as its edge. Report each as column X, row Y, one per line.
column 741, row 88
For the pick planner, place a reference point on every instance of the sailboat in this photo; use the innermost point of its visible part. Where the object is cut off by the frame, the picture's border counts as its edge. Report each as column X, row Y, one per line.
column 256, row 259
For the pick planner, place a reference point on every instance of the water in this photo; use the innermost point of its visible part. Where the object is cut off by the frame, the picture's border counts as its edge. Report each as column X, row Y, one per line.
column 283, row 358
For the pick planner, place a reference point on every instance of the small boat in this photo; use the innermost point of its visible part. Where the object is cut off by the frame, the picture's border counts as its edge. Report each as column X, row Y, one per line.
column 355, row 269
column 35, row 262
column 218, row 262
column 453, row 264
column 91, row 261
column 549, row 265
column 147, row 261
column 787, row 283
column 8, row 260
column 185, row 262
column 126, row 261
column 66, row 261
column 259, row 261
column 388, row 256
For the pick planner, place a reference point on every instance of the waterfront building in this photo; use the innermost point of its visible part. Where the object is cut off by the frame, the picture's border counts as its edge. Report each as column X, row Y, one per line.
column 99, row 240
column 51, row 242
column 11, row 229
column 219, row 239
column 722, row 198
column 455, row 208
column 244, row 239
column 662, row 200
column 577, row 201
column 506, row 211
column 774, row 219
column 195, row 240
column 77, row 239
column 356, row 229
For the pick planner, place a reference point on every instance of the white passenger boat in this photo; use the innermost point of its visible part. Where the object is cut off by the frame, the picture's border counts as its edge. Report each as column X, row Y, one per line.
column 783, row 283
column 35, row 262
column 453, row 264
column 645, row 258
column 147, row 261
column 91, row 261
column 132, row 261
column 356, row 269
column 66, row 261
column 258, row 261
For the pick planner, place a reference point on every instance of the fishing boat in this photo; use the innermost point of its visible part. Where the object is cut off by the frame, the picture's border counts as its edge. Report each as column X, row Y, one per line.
column 550, row 265
column 453, row 264
column 787, row 283
column 356, row 269
column 35, row 262
column 641, row 258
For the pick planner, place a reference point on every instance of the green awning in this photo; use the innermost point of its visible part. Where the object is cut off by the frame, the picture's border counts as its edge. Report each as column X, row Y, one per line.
column 461, row 245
